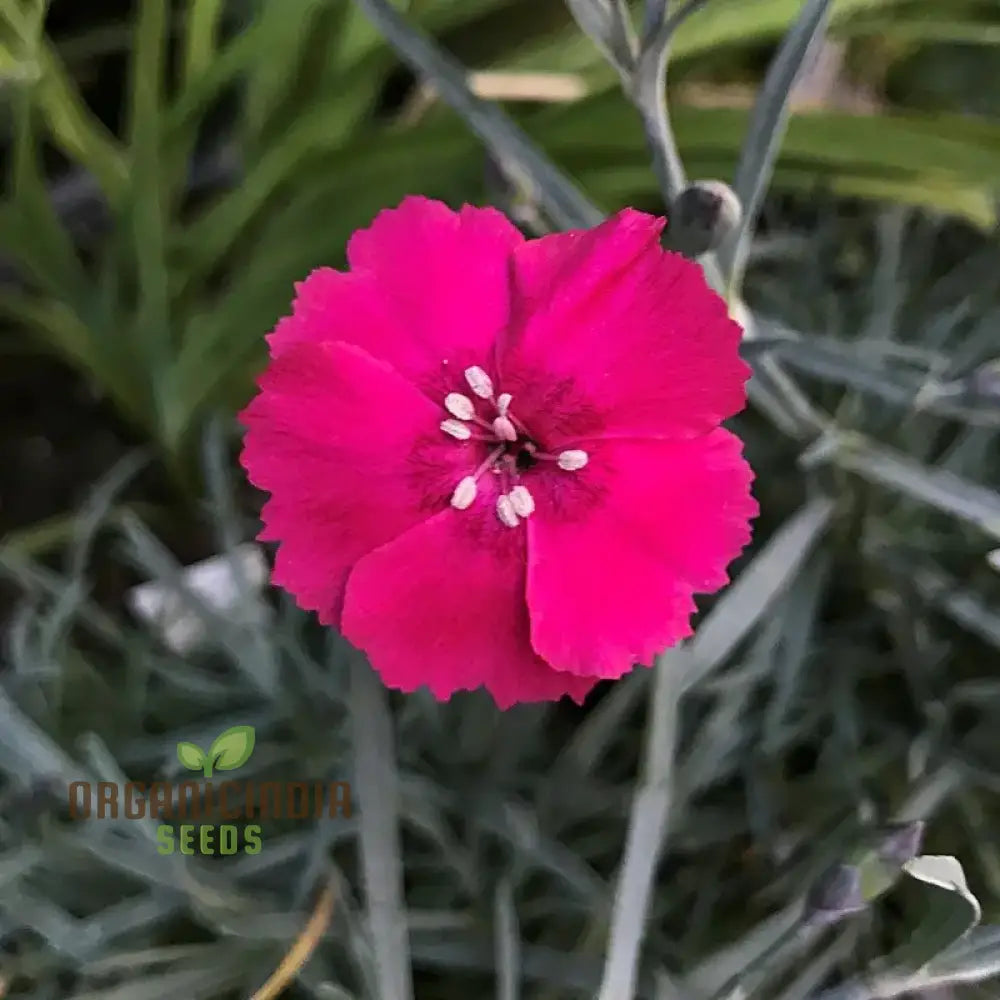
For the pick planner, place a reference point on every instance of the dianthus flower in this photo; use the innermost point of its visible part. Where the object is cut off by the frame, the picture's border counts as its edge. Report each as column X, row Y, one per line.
column 496, row 461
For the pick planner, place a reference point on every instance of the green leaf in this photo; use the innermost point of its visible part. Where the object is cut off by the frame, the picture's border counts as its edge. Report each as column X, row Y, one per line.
column 290, row 27
column 191, row 756
column 73, row 126
column 948, row 913
column 201, row 35
column 32, row 231
column 942, row 160
column 146, row 202
column 232, row 748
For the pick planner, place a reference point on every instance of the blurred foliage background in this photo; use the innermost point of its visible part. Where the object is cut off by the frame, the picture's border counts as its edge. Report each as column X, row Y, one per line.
column 171, row 169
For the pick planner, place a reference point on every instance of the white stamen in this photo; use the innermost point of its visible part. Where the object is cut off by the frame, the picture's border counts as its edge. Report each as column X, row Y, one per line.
column 504, row 429
column 506, row 512
column 572, row 460
column 464, row 493
column 479, row 382
column 503, row 403
column 456, row 429
column 459, row 406
column 522, row 501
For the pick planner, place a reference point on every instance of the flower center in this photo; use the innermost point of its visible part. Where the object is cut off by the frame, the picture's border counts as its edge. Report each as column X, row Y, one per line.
column 512, row 451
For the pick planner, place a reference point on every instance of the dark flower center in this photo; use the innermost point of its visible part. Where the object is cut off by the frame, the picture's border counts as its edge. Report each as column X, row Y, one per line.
column 512, row 451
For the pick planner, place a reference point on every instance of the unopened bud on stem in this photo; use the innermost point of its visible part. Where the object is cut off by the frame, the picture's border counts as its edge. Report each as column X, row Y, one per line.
column 835, row 894
column 701, row 217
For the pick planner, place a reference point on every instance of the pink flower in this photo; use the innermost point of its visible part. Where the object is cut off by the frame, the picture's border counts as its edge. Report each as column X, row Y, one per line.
column 498, row 462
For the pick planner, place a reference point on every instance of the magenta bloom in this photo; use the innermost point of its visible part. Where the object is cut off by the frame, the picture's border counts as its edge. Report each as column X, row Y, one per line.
column 496, row 461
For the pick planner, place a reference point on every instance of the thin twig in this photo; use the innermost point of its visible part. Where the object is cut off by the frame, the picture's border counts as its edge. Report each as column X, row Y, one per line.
column 302, row 949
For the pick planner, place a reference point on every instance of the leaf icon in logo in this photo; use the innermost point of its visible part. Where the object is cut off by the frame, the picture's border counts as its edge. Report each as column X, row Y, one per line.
column 191, row 756
column 231, row 749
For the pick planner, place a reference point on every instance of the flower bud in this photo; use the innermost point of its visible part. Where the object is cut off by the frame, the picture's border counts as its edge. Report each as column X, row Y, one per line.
column 836, row 894
column 871, row 871
column 899, row 843
column 984, row 382
column 701, row 217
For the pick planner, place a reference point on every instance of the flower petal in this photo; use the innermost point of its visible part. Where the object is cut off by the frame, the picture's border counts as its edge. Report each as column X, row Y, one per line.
column 617, row 550
column 444, row 277
column 612, row 336
column 333, row 305
column 427, row 285
column 443, row 605
column 353, row 456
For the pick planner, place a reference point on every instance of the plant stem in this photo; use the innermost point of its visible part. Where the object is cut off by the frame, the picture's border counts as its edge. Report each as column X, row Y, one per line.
column 649, row 824
column 649, row 94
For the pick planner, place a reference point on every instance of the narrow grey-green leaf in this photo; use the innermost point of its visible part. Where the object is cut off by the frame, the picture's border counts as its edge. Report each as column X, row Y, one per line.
column 953, row 494
column 770, row 572
column 766, row 130
column 973, row 958
column 565, row 203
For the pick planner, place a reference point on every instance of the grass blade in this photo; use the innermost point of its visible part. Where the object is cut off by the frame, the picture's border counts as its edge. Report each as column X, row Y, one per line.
column 200, row 36
column 73, row 126
column 146, row 204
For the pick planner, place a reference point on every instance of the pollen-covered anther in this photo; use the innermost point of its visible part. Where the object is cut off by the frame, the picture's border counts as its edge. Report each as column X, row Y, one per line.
column 522, row 501
column 479, row 382
column 459, row 406
column 572, row 459
column 464, row 493
column 456, row 429
column 503, row 403
column 504, row 429
column 506, row 511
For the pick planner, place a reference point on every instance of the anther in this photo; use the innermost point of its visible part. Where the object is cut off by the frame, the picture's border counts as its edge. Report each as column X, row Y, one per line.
column 504, row 429
column 503, row 403
column 459, row 406
column 479, row 382
column 522, row 501
column 464, row 493
column 456, row 429
column 572, row 459
column 506, row 512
